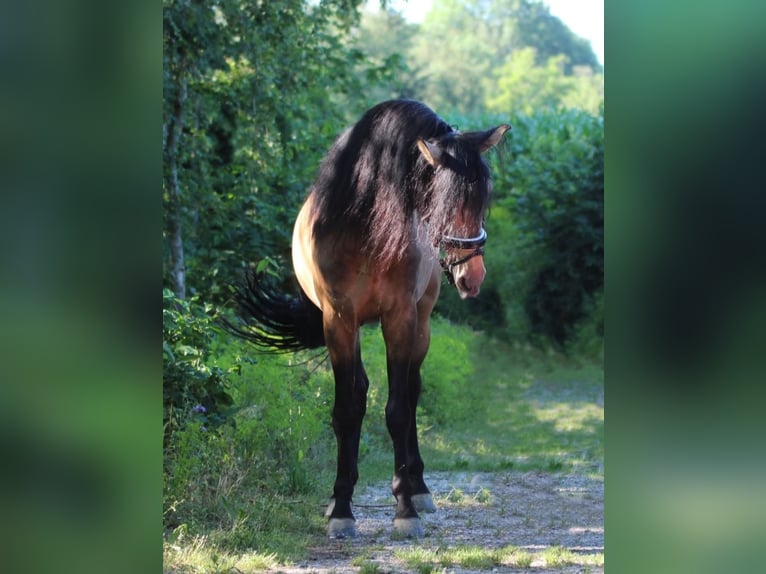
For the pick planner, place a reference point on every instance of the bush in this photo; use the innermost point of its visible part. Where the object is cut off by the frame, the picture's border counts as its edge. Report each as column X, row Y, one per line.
column 545, row 252
column 278, row 442
column 193, row 387
column 553, row 189
column 446, row 372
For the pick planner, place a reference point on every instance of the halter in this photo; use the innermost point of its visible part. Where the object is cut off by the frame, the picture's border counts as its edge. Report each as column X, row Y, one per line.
column 475, row 243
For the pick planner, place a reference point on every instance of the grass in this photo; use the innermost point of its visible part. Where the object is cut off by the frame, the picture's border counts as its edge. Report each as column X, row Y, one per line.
column 478, row 557
column 524, row 410
column 535, row 413
column 198, row 555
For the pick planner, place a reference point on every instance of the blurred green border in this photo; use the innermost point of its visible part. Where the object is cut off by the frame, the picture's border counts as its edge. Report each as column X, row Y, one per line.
column 685, row 305
column 80, row 222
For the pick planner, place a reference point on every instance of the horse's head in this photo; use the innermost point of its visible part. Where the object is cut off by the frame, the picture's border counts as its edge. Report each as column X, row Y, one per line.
column 461, row 188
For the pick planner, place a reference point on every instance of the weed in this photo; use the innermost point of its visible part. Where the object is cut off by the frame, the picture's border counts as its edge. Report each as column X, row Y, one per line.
column 516, row 558
column 417, row 556
column 200, row 555
column 455, row 495
column 556, row 556
column 474, row 557
column 483, row 496
column 367, row 567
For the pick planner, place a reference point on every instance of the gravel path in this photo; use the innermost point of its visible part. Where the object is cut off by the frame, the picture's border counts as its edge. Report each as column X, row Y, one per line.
column 532, row 511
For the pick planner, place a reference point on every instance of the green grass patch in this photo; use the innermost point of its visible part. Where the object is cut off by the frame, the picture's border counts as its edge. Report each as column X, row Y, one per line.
column 421, row 559
column 198, row 555
column 556, row 557
column 532, row 411
column 418, row 558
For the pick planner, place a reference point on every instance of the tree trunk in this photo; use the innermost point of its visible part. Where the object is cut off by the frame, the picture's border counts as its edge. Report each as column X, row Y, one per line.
column 175, row 231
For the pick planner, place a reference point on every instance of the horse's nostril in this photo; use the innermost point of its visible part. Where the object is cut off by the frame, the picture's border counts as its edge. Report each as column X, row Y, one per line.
column 465, row 285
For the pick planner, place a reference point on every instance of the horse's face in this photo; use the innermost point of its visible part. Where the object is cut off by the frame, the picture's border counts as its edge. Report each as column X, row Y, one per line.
column 461, row 190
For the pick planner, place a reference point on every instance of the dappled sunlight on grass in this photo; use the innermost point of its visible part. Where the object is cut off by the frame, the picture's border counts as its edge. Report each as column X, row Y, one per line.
column 571, row 417
column 543, row 413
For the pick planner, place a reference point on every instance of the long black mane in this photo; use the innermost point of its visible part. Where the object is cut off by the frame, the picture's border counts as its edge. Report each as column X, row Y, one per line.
column 374, row 179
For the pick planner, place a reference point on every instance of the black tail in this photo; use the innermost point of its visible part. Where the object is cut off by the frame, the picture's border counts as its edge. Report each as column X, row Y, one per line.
column 275, row 321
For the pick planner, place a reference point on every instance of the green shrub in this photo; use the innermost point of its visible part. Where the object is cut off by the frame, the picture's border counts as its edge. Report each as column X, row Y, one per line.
column 234, row 478
column 193, row 387
column 552, row 186
column 283, row 416
column 448, row 372
column 447, row 376
column 545, row 248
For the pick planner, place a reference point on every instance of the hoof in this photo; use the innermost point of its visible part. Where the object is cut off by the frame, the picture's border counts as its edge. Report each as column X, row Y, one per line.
column 409, row 527
column 341, row 528
column 424, row 502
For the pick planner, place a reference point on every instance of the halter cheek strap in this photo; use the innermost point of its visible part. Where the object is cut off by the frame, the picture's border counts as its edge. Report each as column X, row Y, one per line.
column 475, row 243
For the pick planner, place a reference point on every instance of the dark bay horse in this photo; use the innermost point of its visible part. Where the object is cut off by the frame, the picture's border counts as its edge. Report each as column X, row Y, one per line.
column 395, row 190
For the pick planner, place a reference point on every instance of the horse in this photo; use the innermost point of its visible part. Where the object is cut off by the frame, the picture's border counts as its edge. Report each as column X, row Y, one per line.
column 396, row 190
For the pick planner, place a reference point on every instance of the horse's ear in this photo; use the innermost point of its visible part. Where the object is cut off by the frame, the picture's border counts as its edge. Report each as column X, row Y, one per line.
column 488, row 139
column 431, row 152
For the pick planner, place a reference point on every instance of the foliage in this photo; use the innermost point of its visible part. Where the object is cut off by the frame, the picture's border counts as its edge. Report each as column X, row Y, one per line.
column 255, row 93
column 525, row 87
column 553, row 189
column 532, row 410
column 193, row 387
column 261, row 483
column 283, row 416
column 464, row 48
column 447, row 374
column 421, row 559
column 386, row 38
column 545, row 253
column 234, row 480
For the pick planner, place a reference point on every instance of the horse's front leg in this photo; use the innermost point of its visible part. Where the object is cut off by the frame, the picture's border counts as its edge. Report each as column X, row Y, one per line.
column 421, row 496
column 351, row 385
column 399, row 333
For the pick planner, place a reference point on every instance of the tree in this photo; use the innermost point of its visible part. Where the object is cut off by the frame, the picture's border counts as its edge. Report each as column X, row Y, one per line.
column 462, row 44
column 524, row 86
column 254, row 94
column 385, row 37
column 455, row 55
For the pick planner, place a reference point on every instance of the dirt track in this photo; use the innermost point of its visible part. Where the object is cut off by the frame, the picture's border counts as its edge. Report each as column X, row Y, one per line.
column 532, row 511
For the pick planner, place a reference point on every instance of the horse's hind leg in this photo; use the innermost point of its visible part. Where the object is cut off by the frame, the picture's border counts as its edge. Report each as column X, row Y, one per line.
column 348, row 411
